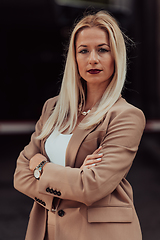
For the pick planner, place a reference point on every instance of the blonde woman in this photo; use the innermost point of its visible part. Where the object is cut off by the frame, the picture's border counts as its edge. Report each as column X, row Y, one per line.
column 84, row 143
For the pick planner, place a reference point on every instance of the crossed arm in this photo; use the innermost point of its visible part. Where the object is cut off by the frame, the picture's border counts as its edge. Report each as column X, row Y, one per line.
column 85, row 184
column 90, row 160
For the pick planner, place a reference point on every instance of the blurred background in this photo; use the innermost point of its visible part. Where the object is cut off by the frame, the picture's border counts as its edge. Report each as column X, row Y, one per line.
column 33, row 37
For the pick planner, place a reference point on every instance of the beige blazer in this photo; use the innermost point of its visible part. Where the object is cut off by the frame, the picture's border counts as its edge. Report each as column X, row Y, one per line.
column 88, row 204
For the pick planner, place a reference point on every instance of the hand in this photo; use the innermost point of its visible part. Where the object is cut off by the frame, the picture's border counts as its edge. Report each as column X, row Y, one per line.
column 36, row 160
column 92, row 160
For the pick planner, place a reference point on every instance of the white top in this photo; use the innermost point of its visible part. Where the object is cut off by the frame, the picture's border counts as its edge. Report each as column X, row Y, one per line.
column 55, row 147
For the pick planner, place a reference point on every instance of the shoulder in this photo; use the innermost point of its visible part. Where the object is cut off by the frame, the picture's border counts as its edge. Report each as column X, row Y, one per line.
column 50, row 103
column 127, row 112
column 48, row 107
column 122, row 106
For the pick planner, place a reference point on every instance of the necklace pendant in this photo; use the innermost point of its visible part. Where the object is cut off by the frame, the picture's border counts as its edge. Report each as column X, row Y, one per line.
column 85, row 113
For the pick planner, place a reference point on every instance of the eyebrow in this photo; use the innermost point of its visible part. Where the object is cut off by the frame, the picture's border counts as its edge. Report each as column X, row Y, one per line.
column 100, row 45
column 82, row 46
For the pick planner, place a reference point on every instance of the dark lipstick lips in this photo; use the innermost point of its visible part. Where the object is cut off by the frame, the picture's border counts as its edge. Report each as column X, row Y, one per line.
column 94, row 71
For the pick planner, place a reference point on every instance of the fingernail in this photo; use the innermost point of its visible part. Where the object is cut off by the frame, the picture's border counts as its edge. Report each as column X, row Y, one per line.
column 93, row 164
column 98, row 159
column 100, row 154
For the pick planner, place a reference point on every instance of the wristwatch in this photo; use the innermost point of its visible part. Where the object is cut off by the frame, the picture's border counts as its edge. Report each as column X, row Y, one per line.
column 38, row 169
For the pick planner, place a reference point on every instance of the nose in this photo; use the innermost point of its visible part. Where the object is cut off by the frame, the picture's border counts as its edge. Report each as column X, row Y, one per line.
column 93, row 57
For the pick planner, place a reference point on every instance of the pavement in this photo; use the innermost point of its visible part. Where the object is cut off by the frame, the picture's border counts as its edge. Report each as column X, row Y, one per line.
column 144, row 177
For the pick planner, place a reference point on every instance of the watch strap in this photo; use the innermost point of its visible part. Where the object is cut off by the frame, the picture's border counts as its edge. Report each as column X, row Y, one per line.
column 41, row 164
column 39, row 167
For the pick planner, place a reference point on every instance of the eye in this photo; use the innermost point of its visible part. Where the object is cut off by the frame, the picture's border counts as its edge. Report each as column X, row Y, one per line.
column 83, row 51
column 103, row 50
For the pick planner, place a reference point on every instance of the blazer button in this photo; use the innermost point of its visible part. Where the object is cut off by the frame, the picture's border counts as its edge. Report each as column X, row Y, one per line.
column 51, row 190
column 59, row 193
column 54, row 192
column 61, row 213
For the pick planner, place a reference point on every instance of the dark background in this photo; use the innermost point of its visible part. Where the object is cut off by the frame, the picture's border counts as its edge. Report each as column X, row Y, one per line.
column 33, row 37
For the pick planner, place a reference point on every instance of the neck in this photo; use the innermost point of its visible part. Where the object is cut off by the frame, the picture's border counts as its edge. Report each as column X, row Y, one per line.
column 93, row 96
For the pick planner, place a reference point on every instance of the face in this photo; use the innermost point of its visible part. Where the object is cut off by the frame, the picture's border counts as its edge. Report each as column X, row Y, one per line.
column 93, row 55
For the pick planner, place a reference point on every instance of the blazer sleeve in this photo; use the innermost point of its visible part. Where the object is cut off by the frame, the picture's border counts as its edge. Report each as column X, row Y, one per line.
column 119, row 146
column 24, row 180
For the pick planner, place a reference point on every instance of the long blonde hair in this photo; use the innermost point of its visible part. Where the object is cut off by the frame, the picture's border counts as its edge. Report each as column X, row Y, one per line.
column 72, row 93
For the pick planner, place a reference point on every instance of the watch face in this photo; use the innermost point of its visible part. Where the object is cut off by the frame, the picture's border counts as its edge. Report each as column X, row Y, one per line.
column 36, row 173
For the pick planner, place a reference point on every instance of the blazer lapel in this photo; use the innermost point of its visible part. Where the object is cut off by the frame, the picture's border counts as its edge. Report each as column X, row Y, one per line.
column 75, row 142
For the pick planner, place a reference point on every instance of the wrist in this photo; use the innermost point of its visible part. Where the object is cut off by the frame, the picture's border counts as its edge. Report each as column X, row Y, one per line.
column 39, row 169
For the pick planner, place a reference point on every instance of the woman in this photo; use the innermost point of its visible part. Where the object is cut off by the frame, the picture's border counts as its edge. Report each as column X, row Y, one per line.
column 84, row 144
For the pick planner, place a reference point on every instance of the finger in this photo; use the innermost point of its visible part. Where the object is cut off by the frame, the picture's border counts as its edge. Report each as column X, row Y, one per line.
column 90, row 158
column 97, row 150
column 95, row 156
column 93, row 161
column 90, row 166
